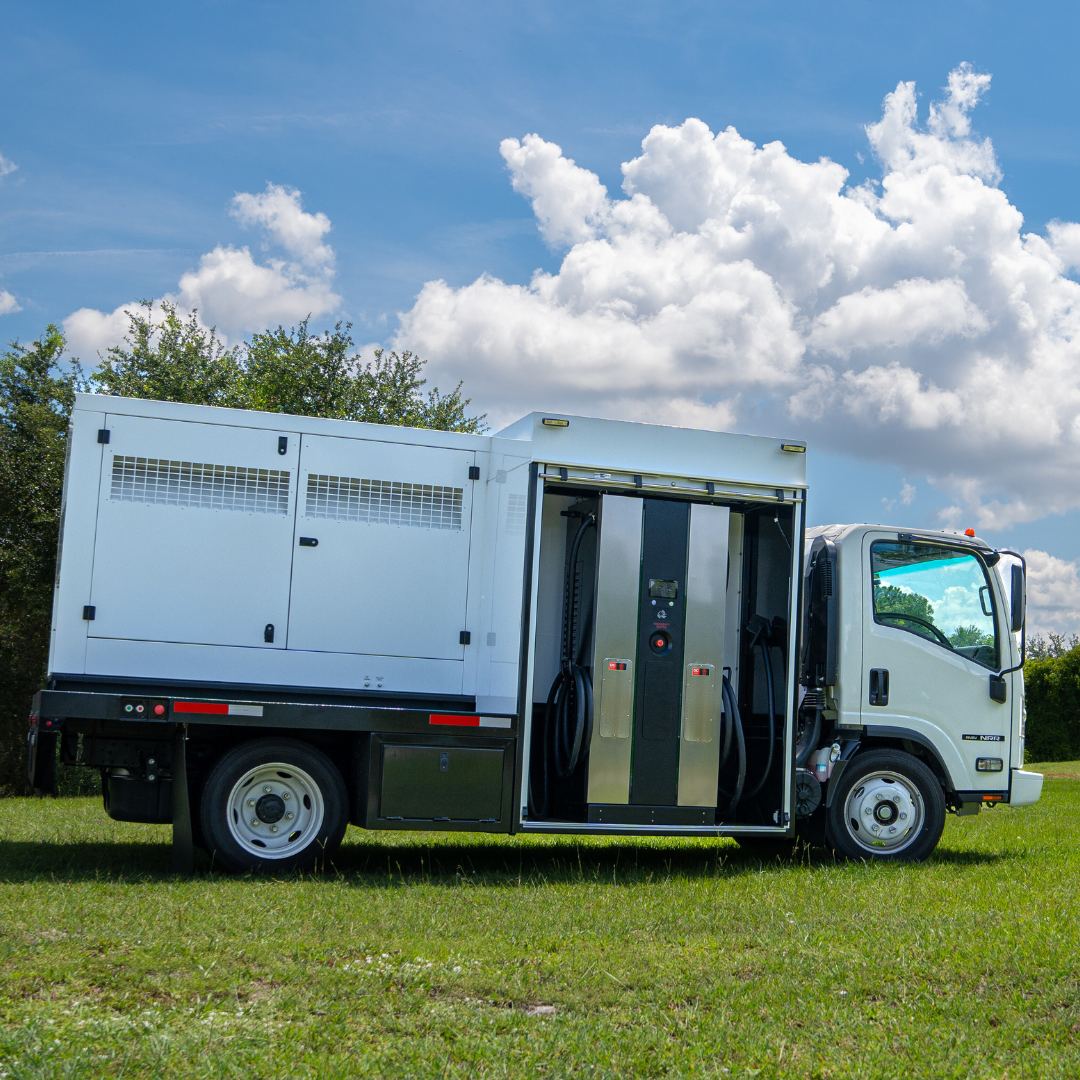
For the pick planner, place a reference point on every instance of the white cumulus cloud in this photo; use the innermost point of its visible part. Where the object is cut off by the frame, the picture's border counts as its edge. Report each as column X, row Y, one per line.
column 909, row 318
column 6, row 165
column 1053, row 591
column 229, row 288
column 8, row 303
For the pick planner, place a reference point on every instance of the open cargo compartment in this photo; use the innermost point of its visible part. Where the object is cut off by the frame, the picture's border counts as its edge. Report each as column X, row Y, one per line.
column 662, row 669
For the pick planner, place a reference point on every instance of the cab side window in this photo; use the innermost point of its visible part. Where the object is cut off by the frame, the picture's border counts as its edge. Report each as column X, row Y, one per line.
column 938, row 593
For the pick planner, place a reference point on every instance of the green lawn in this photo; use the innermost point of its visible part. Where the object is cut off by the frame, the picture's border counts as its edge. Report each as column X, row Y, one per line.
column 444, row 955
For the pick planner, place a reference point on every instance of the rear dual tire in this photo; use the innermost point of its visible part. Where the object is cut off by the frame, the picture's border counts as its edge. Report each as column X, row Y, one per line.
column 273, row 805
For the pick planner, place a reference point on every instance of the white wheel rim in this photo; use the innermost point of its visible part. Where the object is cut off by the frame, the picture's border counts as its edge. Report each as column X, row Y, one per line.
column 275, row 810
column 884, row 812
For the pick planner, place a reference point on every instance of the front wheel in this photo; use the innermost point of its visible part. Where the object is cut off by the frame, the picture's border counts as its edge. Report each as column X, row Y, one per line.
column 273, row 804
column 888, row 806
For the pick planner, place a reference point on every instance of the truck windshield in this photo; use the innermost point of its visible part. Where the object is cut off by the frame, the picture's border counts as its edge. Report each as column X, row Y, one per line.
column 939, row 593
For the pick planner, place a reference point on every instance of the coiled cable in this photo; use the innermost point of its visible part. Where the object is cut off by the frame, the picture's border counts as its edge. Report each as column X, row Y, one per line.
column 569, row 711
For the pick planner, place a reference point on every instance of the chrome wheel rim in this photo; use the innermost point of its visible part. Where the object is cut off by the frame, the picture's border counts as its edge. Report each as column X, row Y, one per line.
column 884, row 812
column 275, row 810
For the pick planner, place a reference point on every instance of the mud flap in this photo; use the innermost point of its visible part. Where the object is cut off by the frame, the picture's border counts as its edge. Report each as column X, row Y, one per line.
column 183, row 848
column 41, row 759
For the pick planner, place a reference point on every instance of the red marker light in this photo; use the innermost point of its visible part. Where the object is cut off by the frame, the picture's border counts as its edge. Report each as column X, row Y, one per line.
column 159, row 710
column 969, row 532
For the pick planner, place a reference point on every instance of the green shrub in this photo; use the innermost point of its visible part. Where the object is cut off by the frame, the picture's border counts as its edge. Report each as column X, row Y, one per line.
column 1052, row 686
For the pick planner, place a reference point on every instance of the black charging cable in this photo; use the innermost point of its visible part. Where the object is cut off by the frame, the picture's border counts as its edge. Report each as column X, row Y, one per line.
column 569, row 712
column 733, row 725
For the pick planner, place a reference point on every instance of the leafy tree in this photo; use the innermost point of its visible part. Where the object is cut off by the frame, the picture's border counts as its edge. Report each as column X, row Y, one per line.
column 36, row 396
column 170, row 359
column 1051, row 646
column 895, row 601
column 285, row 371
column 969, row 635
column 892, row 599
column 294, row 371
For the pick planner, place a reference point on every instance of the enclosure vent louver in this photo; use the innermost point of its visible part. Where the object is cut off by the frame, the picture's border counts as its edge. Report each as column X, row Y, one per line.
column 515, row 515
column 383, row 502
column 196, row 484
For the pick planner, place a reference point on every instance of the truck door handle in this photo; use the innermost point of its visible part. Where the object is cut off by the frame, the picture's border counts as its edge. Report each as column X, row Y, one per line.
column 309, row 541
column 879, row 686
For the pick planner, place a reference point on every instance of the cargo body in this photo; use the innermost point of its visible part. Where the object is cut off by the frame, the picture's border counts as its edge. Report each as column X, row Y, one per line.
column 268, row 626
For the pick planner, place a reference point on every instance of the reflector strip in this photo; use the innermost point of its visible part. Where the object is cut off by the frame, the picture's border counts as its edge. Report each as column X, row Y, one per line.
column 454, row 721
column 216, row 708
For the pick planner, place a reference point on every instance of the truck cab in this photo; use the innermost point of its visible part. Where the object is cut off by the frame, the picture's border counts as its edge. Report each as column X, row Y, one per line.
column 923, row 661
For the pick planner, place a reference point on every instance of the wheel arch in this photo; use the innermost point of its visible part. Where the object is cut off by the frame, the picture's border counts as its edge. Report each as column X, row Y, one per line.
column 911, row 742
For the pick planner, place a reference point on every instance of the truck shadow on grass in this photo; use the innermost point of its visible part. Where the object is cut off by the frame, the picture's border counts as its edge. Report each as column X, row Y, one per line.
column 502, row 863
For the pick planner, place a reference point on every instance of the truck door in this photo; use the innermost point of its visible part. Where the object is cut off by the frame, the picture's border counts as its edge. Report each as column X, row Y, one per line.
column 933, row 633
column 381, row 553
column 194, row 532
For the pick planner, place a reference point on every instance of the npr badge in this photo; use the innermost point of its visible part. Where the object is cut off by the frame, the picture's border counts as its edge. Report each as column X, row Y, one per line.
column 983, row 738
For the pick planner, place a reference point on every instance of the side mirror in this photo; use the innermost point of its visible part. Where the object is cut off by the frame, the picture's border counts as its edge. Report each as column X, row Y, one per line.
column 1018, row 599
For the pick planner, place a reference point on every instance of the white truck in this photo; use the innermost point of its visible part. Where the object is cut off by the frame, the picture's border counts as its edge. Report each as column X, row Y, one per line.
column 266, row 627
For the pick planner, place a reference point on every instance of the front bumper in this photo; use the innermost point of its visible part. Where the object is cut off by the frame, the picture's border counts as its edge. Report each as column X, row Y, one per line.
column 1026, row 788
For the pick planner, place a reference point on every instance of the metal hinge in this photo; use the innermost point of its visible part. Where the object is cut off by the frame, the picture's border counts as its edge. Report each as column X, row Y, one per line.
column 103, row 435
column 474, row 472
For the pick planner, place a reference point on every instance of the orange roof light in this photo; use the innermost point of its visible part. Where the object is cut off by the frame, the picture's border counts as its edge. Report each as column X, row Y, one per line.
column 969, row 532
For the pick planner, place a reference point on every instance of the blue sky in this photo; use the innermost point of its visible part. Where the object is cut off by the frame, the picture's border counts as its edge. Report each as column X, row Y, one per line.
column 132, row 128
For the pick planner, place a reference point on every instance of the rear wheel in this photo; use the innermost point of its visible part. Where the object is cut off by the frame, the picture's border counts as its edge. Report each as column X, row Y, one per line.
column 888, row 806
column 273, row 804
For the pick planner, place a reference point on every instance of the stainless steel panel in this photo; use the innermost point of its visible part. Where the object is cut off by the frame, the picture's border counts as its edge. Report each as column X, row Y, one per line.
column 616, row 698
column 617, row 587
column 699, row 697
column 706, row 610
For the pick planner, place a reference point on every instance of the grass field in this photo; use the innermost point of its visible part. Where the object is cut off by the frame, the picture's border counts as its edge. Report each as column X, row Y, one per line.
column 443, row 955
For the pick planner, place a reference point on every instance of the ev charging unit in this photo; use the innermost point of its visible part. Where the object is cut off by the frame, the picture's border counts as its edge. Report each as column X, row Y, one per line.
column 266, row 627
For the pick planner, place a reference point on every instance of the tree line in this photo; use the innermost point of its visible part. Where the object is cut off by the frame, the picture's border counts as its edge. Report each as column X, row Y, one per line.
column 168, row 357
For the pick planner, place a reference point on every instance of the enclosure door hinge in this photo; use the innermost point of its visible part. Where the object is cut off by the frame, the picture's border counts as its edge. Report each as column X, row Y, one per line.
column 464, row 638
column 103, row 435
column 474, row 472
column 89, row 612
